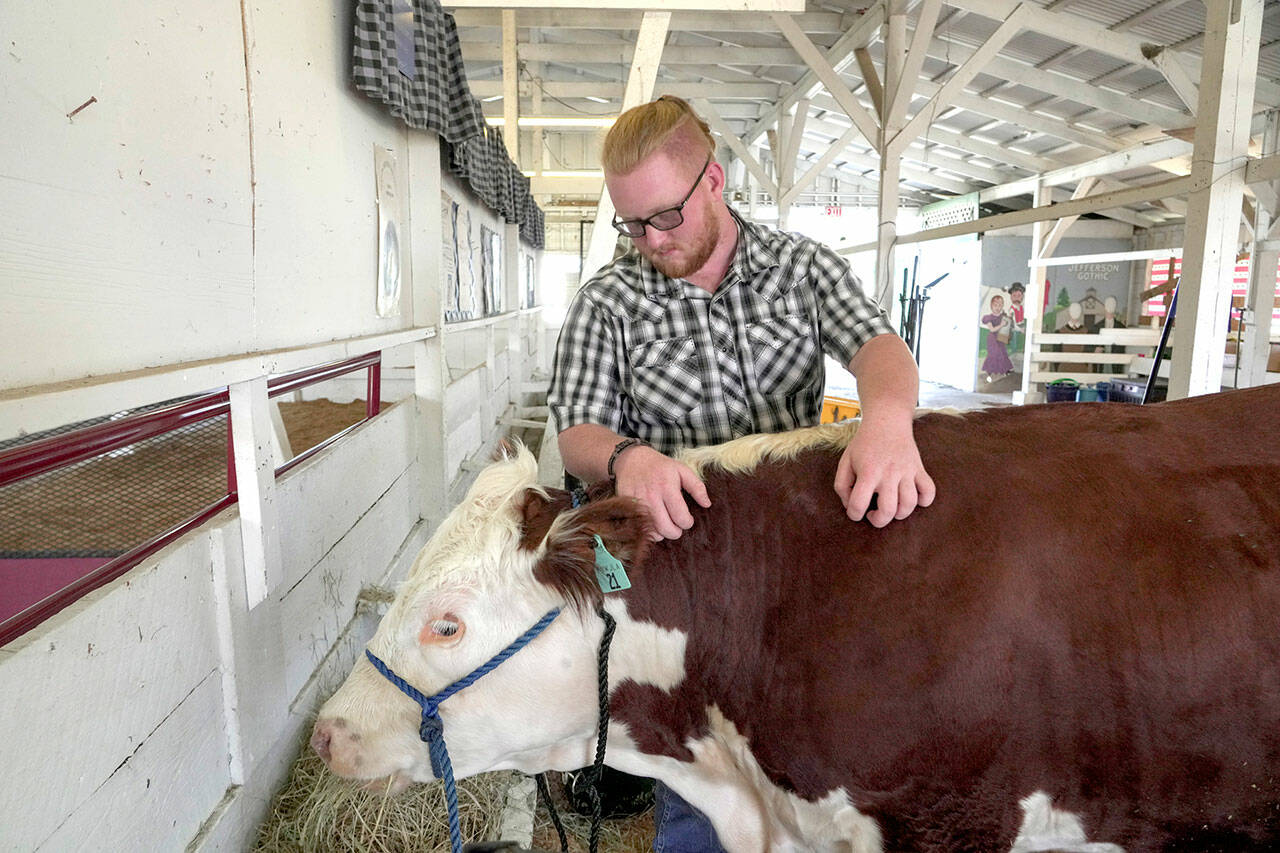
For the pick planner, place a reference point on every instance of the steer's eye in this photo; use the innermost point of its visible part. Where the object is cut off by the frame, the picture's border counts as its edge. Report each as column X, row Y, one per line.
column 446, row 627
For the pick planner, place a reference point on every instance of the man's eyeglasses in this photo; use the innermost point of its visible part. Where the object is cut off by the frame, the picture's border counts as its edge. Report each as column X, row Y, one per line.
column 663, row 220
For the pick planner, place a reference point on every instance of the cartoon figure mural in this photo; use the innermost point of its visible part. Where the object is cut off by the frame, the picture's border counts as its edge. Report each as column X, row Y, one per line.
column 1003, row 337
column 1075, row 295
column 999, row 325
column 1108, row 318
column 1018, row 338
column 1088, row 310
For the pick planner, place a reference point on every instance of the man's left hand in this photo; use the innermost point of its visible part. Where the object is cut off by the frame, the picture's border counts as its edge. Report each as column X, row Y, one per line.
column 882, row 460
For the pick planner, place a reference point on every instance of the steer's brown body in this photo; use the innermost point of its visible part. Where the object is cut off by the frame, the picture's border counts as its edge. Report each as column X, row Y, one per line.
column 1090, row 609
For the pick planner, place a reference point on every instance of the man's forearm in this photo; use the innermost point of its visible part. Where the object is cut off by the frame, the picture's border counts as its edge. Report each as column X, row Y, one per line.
column 585, row 451
column 888, row 380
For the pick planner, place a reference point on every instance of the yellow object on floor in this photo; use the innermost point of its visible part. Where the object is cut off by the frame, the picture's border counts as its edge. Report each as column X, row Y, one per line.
column 839, row 409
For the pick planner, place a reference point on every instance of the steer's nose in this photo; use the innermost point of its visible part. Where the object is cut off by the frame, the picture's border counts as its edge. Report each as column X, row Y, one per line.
column 321, row 738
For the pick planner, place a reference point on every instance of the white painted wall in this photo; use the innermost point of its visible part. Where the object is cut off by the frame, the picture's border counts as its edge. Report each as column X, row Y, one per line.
column 949, row 335
column 211, row 219
column 142, row 706
column 177, row 218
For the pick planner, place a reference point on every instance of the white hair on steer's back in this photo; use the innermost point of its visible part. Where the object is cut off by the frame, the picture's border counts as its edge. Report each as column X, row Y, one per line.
column 743, row 455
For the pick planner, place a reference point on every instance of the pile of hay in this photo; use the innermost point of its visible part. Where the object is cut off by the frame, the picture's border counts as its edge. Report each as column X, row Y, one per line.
column 630, row 835
column 317, row 812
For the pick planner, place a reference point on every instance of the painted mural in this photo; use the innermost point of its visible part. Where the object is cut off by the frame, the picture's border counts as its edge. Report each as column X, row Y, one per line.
column 1002, row 340
column 1078, row 298
column 460, row 289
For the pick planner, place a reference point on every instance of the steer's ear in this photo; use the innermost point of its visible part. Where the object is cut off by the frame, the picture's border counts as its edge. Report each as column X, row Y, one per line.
column 569, row 563
column 537, row 512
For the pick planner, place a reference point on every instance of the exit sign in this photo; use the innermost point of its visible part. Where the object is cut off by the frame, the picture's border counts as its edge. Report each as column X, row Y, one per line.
column 834, row 210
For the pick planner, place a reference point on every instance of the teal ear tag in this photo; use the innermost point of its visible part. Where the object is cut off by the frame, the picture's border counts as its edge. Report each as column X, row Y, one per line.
column 610, row 574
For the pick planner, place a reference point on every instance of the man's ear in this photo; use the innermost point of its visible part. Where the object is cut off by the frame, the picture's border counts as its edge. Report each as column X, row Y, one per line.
column 715, row 178
column 569, row 564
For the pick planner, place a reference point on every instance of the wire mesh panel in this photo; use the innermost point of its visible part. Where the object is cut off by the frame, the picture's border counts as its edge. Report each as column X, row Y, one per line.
column 83, row 503
column 105, row 505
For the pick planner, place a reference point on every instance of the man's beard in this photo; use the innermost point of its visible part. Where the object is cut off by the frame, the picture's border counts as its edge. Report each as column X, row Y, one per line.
column 693, row 257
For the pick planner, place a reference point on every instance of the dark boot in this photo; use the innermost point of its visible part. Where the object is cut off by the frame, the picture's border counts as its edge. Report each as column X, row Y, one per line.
column 621, row 795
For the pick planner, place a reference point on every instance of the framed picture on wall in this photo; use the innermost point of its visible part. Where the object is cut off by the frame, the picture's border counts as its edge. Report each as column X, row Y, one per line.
column 456, row 287
column 390, row 250
column 491, row 270
column 530, row 297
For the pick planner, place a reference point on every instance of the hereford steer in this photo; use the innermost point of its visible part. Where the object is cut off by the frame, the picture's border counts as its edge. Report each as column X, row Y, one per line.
column 1076, row 648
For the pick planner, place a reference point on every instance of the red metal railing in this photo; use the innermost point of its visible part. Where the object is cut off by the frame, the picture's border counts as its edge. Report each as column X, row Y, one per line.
column 60, row 451
column 310, row 376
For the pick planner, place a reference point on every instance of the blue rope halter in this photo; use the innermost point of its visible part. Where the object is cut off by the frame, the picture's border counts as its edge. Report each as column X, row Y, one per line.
column 431, row 729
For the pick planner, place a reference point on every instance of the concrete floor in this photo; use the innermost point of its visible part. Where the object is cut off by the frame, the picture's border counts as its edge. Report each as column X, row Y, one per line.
column 936, row 396
column 933, row 395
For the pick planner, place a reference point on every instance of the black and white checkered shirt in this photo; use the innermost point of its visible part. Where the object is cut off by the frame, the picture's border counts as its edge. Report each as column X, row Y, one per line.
column 663, row 360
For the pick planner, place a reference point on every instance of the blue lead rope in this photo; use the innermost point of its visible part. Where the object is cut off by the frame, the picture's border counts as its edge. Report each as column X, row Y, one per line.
column 431, row 729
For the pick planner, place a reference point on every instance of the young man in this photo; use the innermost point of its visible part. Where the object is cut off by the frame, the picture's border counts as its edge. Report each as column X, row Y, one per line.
column 714, row 328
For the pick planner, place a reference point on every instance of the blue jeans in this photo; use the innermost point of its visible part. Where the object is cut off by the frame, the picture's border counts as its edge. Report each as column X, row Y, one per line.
column 680, row 827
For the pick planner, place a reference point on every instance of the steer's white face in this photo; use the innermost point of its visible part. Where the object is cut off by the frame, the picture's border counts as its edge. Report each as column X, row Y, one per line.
column 470, row 593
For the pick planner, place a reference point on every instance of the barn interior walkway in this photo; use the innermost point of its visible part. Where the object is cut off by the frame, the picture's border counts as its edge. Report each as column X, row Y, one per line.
column 934, row 395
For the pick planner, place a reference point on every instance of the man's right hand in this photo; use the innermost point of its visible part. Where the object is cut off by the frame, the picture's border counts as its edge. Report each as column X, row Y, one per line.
column 659, row 482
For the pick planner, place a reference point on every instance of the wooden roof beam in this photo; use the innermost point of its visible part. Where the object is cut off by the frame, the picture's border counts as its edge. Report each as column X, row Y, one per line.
column 971, row 67
column 839, row 56
column 640, row 82
column 830, row 79
column 1074, row 29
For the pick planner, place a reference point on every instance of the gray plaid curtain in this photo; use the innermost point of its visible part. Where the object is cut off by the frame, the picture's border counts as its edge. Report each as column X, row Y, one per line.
column 436, row 97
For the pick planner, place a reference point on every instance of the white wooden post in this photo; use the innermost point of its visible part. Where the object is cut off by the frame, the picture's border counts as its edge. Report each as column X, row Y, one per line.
column 789, row 143
column 225, row 611
column 895, row 57
column 256, row 485
column 280, row 445
column 644, row 73
column 776, row 137
column 1227, row 82
column 488, row 417
column 510, row 86
column 430, row 374
column 517, row 366
column 1255, row 346
column 430, row 377
column 1033, row 299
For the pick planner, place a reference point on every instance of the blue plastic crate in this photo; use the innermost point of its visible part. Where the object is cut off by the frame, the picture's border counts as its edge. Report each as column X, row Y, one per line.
column 1061, row 391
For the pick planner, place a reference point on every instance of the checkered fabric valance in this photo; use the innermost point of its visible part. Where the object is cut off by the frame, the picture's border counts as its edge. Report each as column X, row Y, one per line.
column 406, row 54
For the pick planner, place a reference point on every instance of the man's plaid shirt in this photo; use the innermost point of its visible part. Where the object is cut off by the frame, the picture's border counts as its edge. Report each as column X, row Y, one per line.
column 663, row 360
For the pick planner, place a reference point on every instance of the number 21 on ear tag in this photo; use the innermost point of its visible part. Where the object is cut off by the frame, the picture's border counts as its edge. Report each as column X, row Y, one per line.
column 610, row 574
